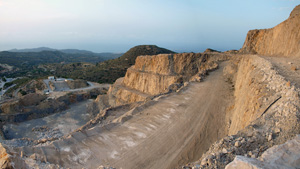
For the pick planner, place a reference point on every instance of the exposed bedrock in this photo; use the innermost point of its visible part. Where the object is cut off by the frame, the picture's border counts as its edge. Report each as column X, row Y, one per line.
column 282, row 40
column 154, row 75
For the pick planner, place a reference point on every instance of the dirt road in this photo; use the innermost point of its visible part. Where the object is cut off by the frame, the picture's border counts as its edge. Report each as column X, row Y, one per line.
column 171, row 132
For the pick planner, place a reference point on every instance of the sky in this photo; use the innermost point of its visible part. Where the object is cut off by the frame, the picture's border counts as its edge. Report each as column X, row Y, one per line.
column 118, row 25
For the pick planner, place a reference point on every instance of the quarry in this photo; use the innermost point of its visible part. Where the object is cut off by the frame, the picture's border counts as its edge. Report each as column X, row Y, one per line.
column 234, row 109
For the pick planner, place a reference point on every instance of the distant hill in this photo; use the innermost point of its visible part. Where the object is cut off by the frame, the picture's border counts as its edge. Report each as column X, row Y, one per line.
column 130, row 56
column 109, row 70
column 26, row 63
column 105, row 55
column 35, row 58
column 40, row 49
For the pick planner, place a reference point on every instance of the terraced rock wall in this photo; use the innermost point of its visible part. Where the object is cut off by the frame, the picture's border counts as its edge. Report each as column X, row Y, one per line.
column 153, row 75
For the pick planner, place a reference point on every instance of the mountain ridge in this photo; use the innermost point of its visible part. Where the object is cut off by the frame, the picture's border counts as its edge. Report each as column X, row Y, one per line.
column 111, row 55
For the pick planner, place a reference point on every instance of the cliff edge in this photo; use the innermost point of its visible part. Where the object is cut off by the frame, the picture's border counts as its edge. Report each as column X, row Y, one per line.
column 282, row 40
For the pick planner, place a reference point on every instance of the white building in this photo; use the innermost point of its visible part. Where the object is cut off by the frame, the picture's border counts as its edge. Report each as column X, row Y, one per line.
column 51, row 78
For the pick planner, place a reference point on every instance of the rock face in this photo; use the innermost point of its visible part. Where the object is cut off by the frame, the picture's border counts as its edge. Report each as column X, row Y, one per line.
column 153, row 75
column 250, row 91
column 282, row 40
column 296, row 11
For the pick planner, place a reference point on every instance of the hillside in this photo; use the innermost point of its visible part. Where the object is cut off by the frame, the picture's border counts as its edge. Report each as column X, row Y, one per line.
column 30, row 61
column 18, row 59
column 110, row 70
column 26, row 63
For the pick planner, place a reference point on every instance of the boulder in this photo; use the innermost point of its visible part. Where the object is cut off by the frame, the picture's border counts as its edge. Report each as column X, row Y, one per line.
column 246, row 163
column 286, row 155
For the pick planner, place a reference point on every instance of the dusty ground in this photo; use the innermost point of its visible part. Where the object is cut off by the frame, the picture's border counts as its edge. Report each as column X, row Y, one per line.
column 163, row 135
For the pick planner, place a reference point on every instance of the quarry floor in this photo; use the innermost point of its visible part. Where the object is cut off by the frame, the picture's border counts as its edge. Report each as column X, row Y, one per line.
column 56, row 125
column 163, row 135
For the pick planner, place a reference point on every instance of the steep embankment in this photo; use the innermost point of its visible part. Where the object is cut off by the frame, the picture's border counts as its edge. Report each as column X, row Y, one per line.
column 282, row 40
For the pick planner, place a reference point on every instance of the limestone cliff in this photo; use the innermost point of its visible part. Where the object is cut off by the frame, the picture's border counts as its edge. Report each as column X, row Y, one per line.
column 282, row 40
column 153, row 75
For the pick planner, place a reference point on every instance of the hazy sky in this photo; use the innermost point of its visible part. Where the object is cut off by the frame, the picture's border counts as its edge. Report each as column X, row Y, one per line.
column 117, row 25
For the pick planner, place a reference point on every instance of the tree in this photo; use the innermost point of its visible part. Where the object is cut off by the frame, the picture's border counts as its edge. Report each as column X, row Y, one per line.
column 3, row 79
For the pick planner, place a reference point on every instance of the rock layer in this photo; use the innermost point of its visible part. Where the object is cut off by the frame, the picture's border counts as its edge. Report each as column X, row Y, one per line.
column 282, row 40
column 154, row 75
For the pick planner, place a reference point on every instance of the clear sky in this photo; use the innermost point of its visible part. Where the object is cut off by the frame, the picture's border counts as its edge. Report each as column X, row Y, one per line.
column 117, row 25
